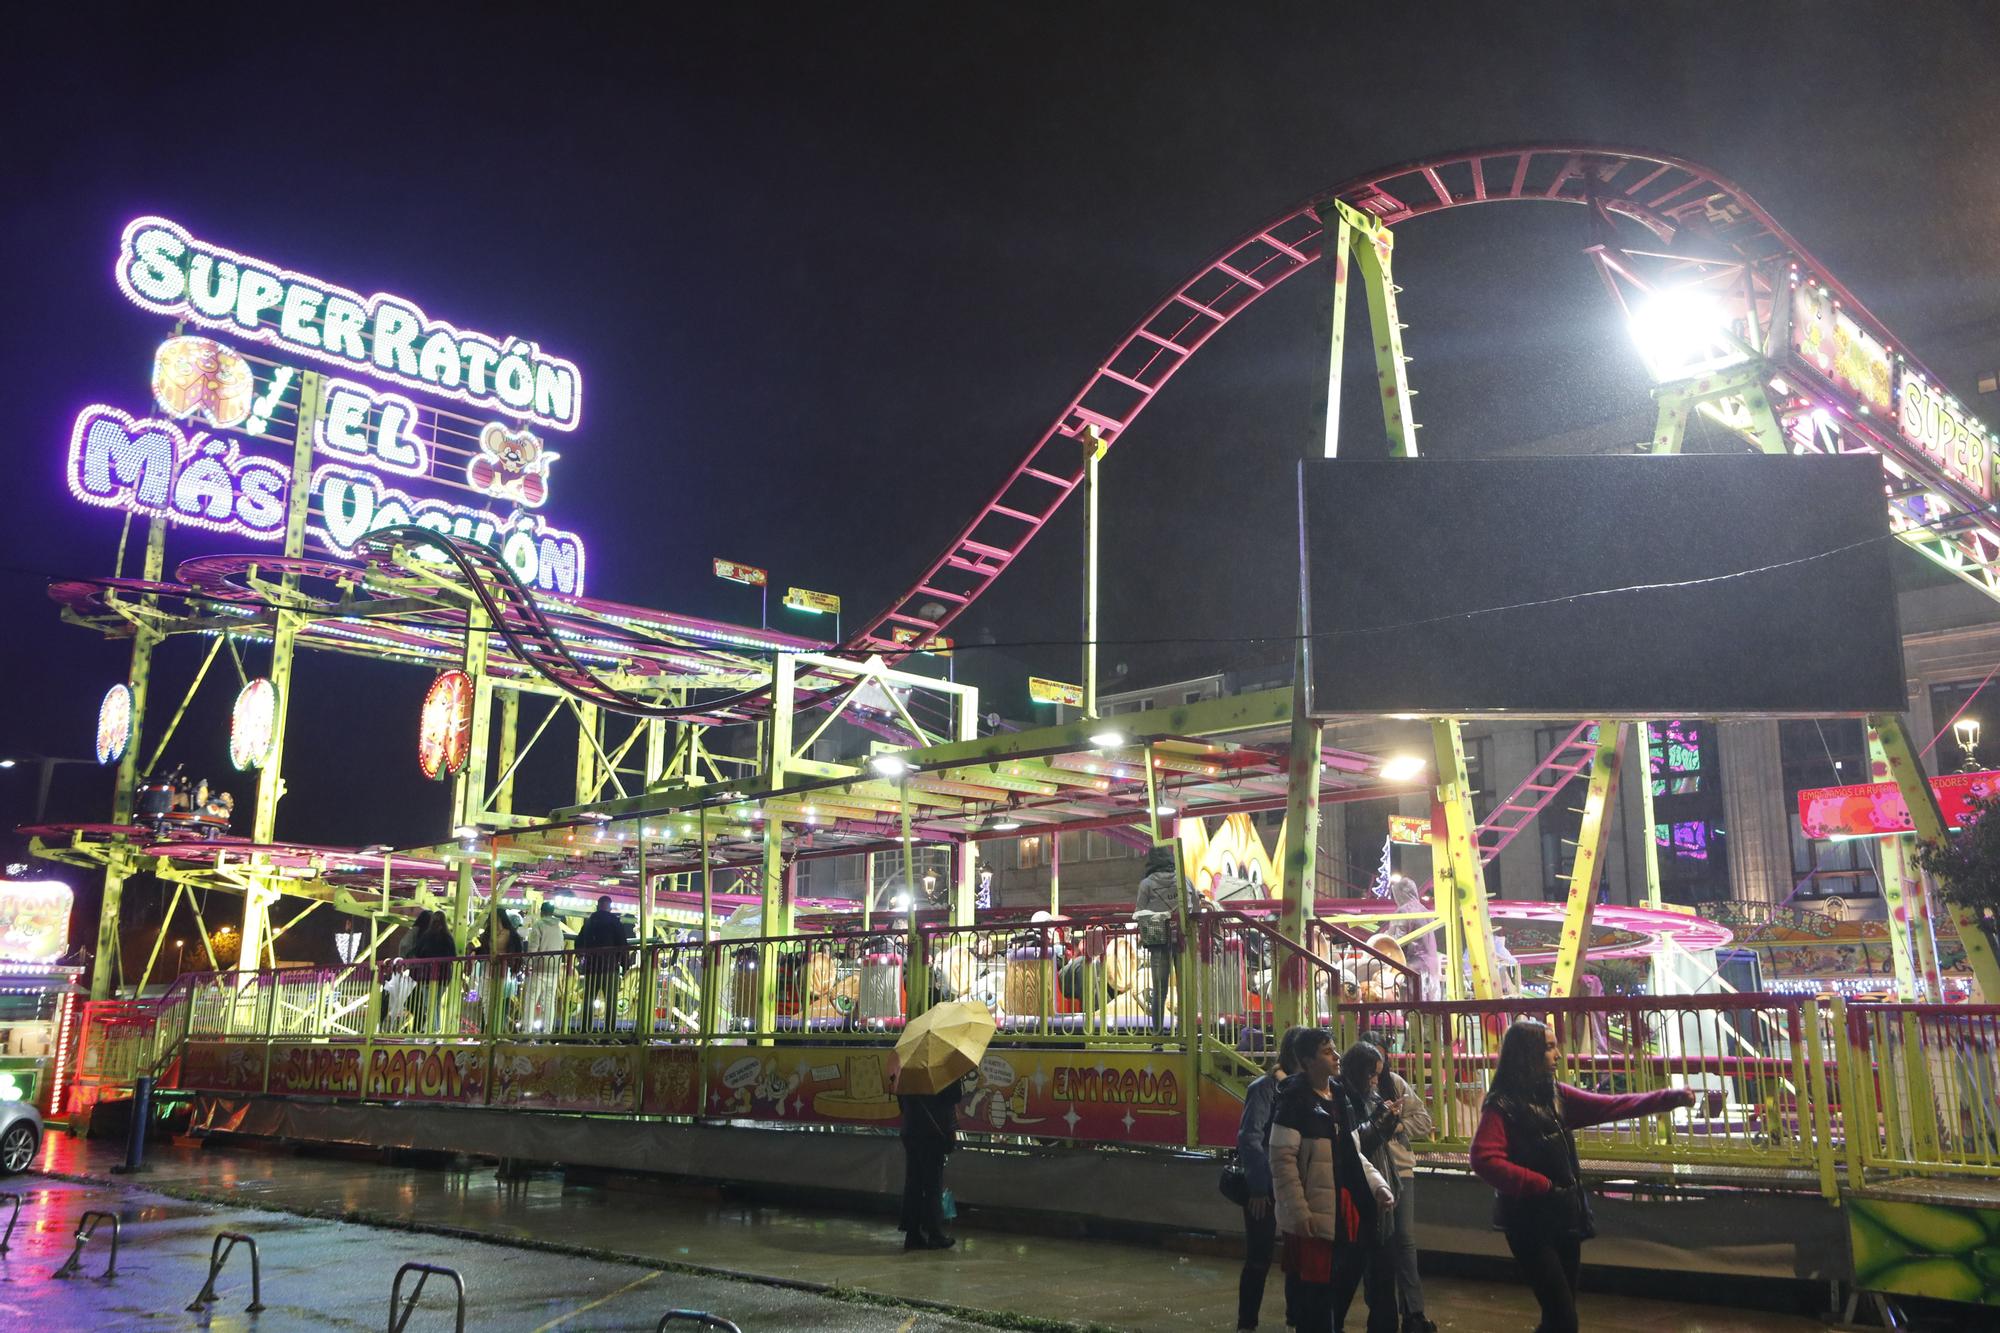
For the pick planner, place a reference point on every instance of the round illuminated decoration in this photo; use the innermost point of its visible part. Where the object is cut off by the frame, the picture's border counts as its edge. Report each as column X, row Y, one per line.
column 444, row 731
column 114, row 724
column 253, row 724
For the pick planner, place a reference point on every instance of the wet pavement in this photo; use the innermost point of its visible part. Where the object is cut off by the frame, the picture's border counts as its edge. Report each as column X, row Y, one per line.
column 319, row 1274
column 323, row 1273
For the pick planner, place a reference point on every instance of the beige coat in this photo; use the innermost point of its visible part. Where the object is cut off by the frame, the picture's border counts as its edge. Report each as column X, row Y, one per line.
column 1302, row 1183
column 1417, row 1124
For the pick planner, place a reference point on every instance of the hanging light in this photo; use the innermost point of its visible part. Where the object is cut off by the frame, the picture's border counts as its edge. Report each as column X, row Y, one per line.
column 1402, row 768
column 1110, row 738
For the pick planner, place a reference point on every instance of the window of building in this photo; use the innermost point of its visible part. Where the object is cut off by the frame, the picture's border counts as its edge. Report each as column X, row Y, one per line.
column 1827, row 754
column 1031, row 853
column 1194, row 696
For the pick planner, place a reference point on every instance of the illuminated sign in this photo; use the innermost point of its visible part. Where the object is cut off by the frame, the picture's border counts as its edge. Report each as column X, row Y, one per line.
column 1409, row 830
column 1950, row 438
column 937, row 643
column 814, row 603
column 164, row 269
column 1675, row 752
column 444, row 729
column 152, row 467
column 34, row 920
column 253, row 724
column 1868, row 810
column 511, row 465
column 348, row 504
column 373, row 429
column 199, row 376
column 735, row 573
column 1043, row 691
column 114, row 724
column 1840, row 349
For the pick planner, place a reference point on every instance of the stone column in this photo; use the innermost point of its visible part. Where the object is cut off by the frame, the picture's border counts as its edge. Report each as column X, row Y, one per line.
column 1753, row 811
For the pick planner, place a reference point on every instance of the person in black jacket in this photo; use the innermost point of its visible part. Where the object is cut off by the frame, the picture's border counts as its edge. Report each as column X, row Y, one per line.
column 930, row 1132
column 601, row 952
column 1369, row 1265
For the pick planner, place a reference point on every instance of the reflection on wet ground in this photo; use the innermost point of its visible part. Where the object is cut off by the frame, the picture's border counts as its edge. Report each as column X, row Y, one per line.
column 319, row 1274
column 1051, row 1277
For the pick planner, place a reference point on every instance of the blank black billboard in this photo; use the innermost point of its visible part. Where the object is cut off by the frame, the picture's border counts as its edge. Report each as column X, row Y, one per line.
column 1744, row 584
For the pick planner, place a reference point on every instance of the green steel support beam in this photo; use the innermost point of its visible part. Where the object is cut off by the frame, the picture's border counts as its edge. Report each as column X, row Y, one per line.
column 1600, row 803
column 1093, row 454
column 1908, row 774
column 174, row 722
column 1464, row 883
column 1642, row 739
column 588, row 782
column 1336, row 236
column 106, row 964
column 1372, row 248
column 1906, row 896
column 510, row 733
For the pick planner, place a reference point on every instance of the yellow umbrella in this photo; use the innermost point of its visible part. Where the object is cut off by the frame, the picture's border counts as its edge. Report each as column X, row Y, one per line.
column 943, row 1045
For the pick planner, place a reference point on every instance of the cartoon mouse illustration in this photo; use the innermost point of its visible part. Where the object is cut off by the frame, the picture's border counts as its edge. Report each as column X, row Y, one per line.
column 511, row 465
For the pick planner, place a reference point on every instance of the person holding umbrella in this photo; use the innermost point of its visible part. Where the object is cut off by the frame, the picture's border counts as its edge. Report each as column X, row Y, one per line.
column 935, row 1053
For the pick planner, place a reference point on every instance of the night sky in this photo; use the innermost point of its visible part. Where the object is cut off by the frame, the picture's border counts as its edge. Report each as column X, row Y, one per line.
column 828, row 270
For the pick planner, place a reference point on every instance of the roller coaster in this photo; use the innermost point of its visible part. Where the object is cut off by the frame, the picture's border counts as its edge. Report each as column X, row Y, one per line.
column 1740, row 325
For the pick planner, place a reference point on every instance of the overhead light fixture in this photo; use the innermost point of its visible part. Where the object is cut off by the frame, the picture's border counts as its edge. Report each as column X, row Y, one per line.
column 1163, row 810
column 6, row 763
column 1003, row 823
column 1108, row 739
column 469, row 832
column 1402, row 768
column 889, row 765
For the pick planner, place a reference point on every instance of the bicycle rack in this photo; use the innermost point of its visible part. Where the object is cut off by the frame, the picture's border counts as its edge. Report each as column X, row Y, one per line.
column 424, row 1274
column 13, row 1220
column 218, row 1255
column 86, row 1227
column 699, row 1318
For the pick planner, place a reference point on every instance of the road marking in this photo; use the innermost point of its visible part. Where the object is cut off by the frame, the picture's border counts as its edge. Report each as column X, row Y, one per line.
column 584, row 1309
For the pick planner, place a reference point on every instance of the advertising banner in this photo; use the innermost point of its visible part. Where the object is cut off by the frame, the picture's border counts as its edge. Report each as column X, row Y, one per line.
column 1043, row 691
column 317, row 1071
column 735, row 573
column 1136, row 1097
column 34, row 920
column 426, row 1073
column 673, row 1078
column 1839, row 349
column 566, row 1078
column 1872, row 809
column 220, row 1066
column 819, row 603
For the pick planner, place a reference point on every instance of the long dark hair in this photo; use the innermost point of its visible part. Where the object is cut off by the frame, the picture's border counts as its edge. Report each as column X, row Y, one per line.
column 1521, row 1080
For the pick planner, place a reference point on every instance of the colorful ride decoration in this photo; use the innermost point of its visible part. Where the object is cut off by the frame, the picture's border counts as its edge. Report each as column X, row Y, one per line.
column 253, row 723
column 1877, row 809
column 444, row 728
column 1946, row 1251
column 114, row 723
column 34, row 920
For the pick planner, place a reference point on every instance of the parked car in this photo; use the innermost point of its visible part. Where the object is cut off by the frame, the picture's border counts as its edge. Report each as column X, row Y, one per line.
column 20, row 1135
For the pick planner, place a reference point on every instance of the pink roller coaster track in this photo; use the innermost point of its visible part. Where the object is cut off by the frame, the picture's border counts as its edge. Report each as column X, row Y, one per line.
column 1692, row 212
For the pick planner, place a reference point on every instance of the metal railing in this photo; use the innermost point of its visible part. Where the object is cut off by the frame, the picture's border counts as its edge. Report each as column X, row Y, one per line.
column 1786, row 1084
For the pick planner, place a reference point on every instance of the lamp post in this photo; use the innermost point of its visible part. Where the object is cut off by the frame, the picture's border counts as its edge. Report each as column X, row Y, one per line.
column 1966, row 731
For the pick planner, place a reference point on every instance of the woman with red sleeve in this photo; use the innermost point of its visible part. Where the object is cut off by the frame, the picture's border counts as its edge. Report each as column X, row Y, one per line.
column 1525, row 1148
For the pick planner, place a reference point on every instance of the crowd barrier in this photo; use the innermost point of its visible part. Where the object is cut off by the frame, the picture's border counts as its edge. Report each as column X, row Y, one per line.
column 1808, row 1087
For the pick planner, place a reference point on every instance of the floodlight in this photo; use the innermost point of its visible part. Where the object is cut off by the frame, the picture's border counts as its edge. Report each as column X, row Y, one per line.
column 1402, row 768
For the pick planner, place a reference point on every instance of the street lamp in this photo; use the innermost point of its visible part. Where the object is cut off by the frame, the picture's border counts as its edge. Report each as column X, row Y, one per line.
column 1966, row 730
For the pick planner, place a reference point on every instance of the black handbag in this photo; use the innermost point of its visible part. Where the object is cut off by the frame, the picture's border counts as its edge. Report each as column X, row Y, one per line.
column 1234, row 1184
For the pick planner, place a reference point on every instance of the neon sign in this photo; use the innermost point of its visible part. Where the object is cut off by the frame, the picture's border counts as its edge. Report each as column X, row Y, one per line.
column 444, row 728
column 511, row 465
column 350, row 503
column 114, row 724
column 371, row 428
column 199, row 376
column 164, row 269
column 1954, row 441
column 151, row 467
column 253, row 724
